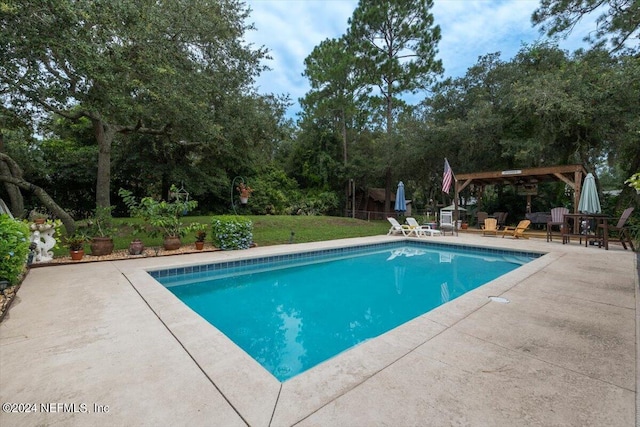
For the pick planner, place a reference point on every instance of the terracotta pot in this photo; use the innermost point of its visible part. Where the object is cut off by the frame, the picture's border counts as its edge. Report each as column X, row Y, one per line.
column 199, row 245
column 77, row 255
column 171, row 243
column 136, row 247
column 101, row 246
column 40, row 220
column 465, row 225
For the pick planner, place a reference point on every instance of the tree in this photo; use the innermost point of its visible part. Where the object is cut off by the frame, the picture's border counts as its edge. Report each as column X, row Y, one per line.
column 335, row 92
column 335, row 87
column 396, row 43
column 619, row 22
column 15, row 178
column 129, row 66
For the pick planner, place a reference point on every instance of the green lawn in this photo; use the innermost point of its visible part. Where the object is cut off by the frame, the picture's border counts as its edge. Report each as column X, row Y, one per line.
column 267, row 230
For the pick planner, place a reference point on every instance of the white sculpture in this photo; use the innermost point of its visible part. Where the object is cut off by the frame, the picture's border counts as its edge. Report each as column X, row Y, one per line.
column 42, row 236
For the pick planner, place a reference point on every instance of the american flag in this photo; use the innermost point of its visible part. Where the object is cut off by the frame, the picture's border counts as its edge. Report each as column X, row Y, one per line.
column 447, row 177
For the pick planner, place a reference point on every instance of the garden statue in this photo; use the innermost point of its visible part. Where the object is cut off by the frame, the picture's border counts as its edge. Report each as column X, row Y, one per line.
column 42, row 237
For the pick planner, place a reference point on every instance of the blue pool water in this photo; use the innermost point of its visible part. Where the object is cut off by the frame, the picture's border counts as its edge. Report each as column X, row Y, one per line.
column 292, row 314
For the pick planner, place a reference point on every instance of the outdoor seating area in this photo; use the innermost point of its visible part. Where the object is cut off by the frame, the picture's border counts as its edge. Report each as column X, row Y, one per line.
column 595, row 230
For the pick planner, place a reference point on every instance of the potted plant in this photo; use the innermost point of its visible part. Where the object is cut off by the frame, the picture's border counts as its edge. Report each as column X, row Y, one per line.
column 75, row 242
column 200, row 232
column 136, row 246
column 245, row 192
column 101, row 231
column 163, row 217
column 37, row 217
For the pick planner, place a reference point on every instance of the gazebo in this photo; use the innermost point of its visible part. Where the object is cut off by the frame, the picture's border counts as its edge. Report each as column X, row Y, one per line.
column 525, row 180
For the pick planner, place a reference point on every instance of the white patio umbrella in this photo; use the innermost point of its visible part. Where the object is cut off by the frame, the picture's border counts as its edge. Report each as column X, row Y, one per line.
column 589, row 200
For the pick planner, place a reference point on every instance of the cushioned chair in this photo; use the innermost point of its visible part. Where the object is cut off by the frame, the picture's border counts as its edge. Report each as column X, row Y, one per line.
column 421, row 230
column 518, row 230
column 396, row 227
column 481, row 217
column 490, row 226
column 557, row 219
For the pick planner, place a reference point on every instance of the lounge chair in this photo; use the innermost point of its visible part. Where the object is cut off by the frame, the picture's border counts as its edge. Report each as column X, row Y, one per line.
column 518, row 230
column 490, row 226
column 422, row 230
column 396, row 227
column 621, row 228
column 446, row 222
column 557, row 219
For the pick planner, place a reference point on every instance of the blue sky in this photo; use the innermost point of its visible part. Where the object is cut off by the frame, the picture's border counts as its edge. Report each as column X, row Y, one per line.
column 290, row 29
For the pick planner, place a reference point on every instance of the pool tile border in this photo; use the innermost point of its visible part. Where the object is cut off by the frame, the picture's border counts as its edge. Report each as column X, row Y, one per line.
column 239, row 266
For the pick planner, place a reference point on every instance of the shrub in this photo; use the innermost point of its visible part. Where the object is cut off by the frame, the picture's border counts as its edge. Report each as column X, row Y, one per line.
column 164, row 217
column 14, row 248
column 324, row 203
column 232, row 232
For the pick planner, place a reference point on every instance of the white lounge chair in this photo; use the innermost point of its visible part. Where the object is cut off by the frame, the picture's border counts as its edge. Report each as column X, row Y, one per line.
column 422, row 230
column 396, row 227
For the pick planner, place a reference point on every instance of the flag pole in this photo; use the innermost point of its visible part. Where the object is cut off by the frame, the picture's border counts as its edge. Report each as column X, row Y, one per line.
column 456, row 214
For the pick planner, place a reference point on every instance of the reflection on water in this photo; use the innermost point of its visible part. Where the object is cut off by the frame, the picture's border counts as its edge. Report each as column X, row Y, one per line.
column 291, row 319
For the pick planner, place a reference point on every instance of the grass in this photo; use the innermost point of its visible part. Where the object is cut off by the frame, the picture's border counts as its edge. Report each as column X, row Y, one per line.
column 267, row 230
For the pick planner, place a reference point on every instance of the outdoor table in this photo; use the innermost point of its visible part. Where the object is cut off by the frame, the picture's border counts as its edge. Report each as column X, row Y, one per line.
column 599, row 219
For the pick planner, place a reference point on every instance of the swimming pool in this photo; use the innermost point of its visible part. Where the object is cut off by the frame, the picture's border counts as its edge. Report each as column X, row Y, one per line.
column 291, row 312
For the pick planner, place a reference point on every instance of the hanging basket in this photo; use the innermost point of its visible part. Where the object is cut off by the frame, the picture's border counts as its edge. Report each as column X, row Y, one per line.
column 244, row 200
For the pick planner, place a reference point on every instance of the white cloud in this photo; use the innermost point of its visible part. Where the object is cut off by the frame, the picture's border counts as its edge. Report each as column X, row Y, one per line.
column 290, row 29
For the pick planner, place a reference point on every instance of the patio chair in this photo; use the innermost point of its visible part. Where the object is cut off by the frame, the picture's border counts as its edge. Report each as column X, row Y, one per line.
column 518, row 230
column 396, row 227
column 490, row 226
column 446, row 222
column 557, row 219
column 621, row 228
column 422, row 230
column 501, row 217
column 481, row 217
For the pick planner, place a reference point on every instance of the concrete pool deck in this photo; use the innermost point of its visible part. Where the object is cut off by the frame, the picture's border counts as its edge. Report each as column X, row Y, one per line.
column 104, row 344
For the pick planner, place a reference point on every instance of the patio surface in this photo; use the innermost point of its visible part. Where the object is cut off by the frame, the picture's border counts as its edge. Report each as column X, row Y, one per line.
column 104, row 344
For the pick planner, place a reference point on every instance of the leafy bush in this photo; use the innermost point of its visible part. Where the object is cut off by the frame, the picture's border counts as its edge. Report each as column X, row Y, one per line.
column 273, row 192
column 232, row 232
column 14, row 248
column 324, row 203
column 164, row 217
column 634, row 181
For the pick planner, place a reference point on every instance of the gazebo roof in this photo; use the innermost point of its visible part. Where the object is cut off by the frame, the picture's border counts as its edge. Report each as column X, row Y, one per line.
column 570, row 174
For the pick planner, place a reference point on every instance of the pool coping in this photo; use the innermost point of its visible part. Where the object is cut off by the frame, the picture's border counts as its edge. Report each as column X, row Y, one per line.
column 260, row 397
